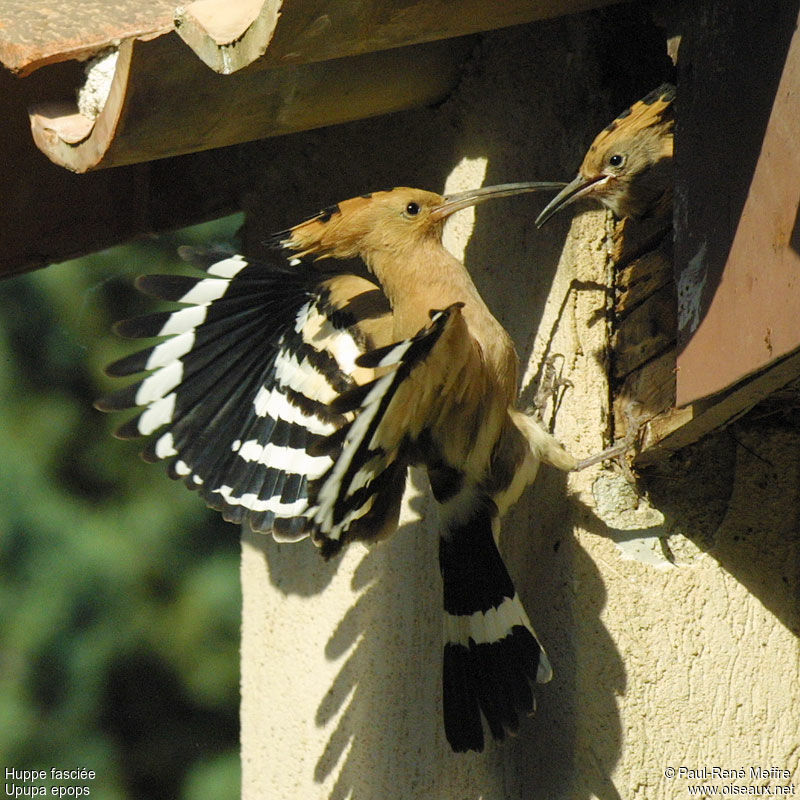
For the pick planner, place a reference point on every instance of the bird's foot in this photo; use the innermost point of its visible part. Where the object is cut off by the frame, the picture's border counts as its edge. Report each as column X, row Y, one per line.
column 621, row 446
column 550, row 389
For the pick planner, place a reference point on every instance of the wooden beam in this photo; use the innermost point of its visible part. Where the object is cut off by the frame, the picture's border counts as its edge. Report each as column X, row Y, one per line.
column 643, row 324
column 645, row 394
column 230, row 36
column 646, row 331
column 679, row 427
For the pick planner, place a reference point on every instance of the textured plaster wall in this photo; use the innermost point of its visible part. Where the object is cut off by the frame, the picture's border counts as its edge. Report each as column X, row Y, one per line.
column 656, row 664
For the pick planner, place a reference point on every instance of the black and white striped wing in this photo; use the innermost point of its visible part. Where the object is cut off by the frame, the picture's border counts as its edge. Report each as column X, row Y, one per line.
column 240, row 391
column 360, row 493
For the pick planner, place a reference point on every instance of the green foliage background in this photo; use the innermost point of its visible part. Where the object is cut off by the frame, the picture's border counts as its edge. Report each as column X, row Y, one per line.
column 119, row 591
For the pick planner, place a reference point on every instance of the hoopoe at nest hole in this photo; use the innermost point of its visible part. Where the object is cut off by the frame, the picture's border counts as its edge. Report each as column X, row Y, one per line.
column 628, row 167
column 294, row 400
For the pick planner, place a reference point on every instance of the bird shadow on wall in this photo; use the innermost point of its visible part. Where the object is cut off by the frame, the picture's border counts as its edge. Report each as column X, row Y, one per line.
column 388, row 646
column 564, row 593
column 388, row 684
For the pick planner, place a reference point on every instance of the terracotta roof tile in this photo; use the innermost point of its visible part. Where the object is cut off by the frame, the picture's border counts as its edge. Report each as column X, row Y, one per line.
column 34, row 33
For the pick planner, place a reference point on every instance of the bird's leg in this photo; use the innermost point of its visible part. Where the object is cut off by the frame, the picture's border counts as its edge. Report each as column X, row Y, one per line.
column 617, row 449
column 621, row 446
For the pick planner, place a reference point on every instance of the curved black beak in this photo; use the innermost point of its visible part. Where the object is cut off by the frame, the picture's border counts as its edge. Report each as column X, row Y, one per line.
column 576, row 188
column 455, row 202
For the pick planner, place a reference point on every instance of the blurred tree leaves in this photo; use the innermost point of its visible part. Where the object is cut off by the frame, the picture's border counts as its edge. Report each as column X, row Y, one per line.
column 119, row 591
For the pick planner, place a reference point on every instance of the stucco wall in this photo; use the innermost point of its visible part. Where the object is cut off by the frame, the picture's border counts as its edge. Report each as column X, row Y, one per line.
column 656, row 664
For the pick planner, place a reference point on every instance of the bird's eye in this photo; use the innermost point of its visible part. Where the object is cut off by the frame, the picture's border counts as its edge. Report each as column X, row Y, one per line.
column 412, row 209
column 616, row 160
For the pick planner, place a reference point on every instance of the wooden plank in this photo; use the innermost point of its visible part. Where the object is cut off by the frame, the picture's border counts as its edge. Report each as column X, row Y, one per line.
column 645, row 394
column 643, row 323
column 164, row 102
column 737, row 240
column 230, row 36
column 645, row 332
column 640, row 280
column 679, row 427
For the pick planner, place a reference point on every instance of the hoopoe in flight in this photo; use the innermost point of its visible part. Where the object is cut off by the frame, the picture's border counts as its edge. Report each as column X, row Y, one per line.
column 628, row 167
column 293, row 394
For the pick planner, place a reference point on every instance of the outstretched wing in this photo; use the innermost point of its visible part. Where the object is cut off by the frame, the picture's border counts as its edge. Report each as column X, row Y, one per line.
column 357, row 495
column 240, row 392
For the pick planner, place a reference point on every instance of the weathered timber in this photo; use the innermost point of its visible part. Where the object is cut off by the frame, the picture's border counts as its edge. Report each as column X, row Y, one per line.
column 738, row 180
column 679, row 427
column 230, row 36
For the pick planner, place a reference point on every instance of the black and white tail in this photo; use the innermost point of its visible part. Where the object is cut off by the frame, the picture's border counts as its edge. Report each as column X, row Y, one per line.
column 491, row 653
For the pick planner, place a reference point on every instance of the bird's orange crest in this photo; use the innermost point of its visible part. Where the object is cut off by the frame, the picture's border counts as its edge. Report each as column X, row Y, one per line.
column 656, row 110
column 321, row 234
